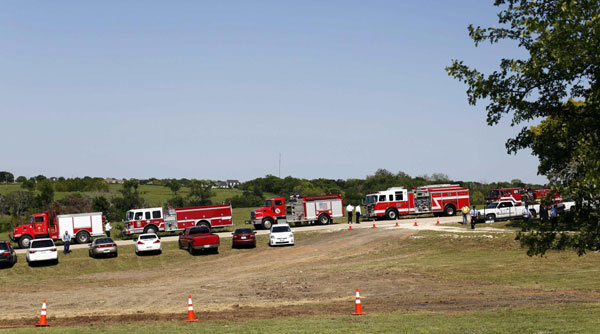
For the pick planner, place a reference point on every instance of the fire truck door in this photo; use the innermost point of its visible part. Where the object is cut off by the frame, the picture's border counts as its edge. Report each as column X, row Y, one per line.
column 278, row 207
column 40, row 226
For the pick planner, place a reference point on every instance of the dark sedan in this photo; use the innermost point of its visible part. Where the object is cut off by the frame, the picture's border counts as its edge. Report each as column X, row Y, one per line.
column 243, row 237
column 8, row 257
column 103, row 246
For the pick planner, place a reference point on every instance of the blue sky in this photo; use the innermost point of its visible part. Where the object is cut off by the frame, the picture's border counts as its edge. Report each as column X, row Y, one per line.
column 216, row 90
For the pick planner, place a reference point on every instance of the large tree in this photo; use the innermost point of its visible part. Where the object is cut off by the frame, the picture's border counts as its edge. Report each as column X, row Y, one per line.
column 555, row 88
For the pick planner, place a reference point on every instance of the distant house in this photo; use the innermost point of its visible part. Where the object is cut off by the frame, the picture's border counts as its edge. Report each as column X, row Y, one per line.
column 113, row 181
column 220, row 184
column 233, row 183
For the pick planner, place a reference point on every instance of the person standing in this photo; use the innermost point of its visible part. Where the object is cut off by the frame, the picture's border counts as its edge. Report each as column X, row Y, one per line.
column 358, row 214
column 544, row 213
column 474, row 214
column 349, row 210
column 66, row 238
column 107, row 228
column 553, row 216
column 526, row 215
column 465, row 212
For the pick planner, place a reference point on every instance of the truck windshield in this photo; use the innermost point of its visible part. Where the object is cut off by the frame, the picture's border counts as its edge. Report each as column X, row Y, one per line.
column 129, row 215
column 268, row 203
column 30, row 220
column 492, row 205
column 371, row 199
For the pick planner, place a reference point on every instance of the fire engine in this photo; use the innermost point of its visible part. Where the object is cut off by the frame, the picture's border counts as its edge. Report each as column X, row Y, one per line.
column 321, row 209
column 436, row 199
column 50, row 225
column 153, row 220
column 519, row 196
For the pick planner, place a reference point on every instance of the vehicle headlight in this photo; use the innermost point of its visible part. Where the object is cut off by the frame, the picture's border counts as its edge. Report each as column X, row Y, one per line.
column 272, row 236
column 290, row 236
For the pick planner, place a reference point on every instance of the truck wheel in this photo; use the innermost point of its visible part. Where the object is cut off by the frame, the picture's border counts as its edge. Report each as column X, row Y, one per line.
column 203, row 223
column 179, row 243
column 533, row 213
column 190, row 249
column 267, row 223
column 24, row 241
column 450, row 210
column 391, row 214
column 82, row 237
column 324, row 219
column 491, row 217
column 151, row 229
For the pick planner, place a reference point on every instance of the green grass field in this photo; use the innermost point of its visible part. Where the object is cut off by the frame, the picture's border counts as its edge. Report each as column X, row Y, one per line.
column 155, row 195
column 490, row 263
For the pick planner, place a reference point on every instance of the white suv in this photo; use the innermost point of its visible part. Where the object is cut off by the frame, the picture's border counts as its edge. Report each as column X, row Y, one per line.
column 42, row 250
column 281, row 234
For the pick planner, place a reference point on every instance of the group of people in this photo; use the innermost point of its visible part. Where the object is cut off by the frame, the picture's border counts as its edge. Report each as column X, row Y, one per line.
column 473, row 212
column 357, row 211
column 66, row 238
column 552, row 214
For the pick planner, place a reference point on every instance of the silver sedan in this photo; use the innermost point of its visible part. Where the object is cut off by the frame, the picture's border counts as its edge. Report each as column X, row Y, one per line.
column 104, row 247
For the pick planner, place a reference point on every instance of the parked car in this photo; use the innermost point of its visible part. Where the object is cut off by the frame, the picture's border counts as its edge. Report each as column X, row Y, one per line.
column 8, row 257
column 42, row 250
column 281, row 234
column 148, row 242
column 243, row 237
column 199, row 238
column 103, row 246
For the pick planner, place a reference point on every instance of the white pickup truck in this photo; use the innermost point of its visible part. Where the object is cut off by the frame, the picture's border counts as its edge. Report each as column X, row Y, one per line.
column 505, row 210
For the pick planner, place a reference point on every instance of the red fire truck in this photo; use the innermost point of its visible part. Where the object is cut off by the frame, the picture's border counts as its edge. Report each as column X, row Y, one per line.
column 519, row 196
column 321, row 209
column 436, row 199
column 82, row 226
column 153, row 220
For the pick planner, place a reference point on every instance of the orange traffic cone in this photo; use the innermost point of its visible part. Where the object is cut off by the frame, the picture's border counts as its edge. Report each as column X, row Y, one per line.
column 415, row 224
column 191, row 316
column 374, row 225
column 43, row 322
column 358, row 306
column 349, row 227
column 438, row 221
column 396, row 224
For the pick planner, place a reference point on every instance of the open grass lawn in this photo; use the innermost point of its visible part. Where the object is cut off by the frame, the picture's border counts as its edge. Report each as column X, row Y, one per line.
column 155, row 195
column 490, row 263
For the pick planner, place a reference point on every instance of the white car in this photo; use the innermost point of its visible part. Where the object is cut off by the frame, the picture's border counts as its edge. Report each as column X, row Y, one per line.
column 148, row 242
column 281, row 234
column 42, row 250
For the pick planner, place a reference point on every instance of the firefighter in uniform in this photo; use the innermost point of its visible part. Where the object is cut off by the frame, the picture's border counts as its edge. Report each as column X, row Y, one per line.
column 349, row 210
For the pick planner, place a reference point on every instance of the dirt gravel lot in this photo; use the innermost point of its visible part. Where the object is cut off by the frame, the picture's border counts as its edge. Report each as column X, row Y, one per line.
column 318, row 276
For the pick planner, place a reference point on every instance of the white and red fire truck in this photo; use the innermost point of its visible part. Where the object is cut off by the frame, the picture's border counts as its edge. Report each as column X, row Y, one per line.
column 436, row 199
column 321, row 209
column 48, row 224
column 521, row 196
column 152, row 220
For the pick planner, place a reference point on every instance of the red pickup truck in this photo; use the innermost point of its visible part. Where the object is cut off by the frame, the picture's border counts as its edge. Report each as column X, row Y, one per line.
column 199, row 238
